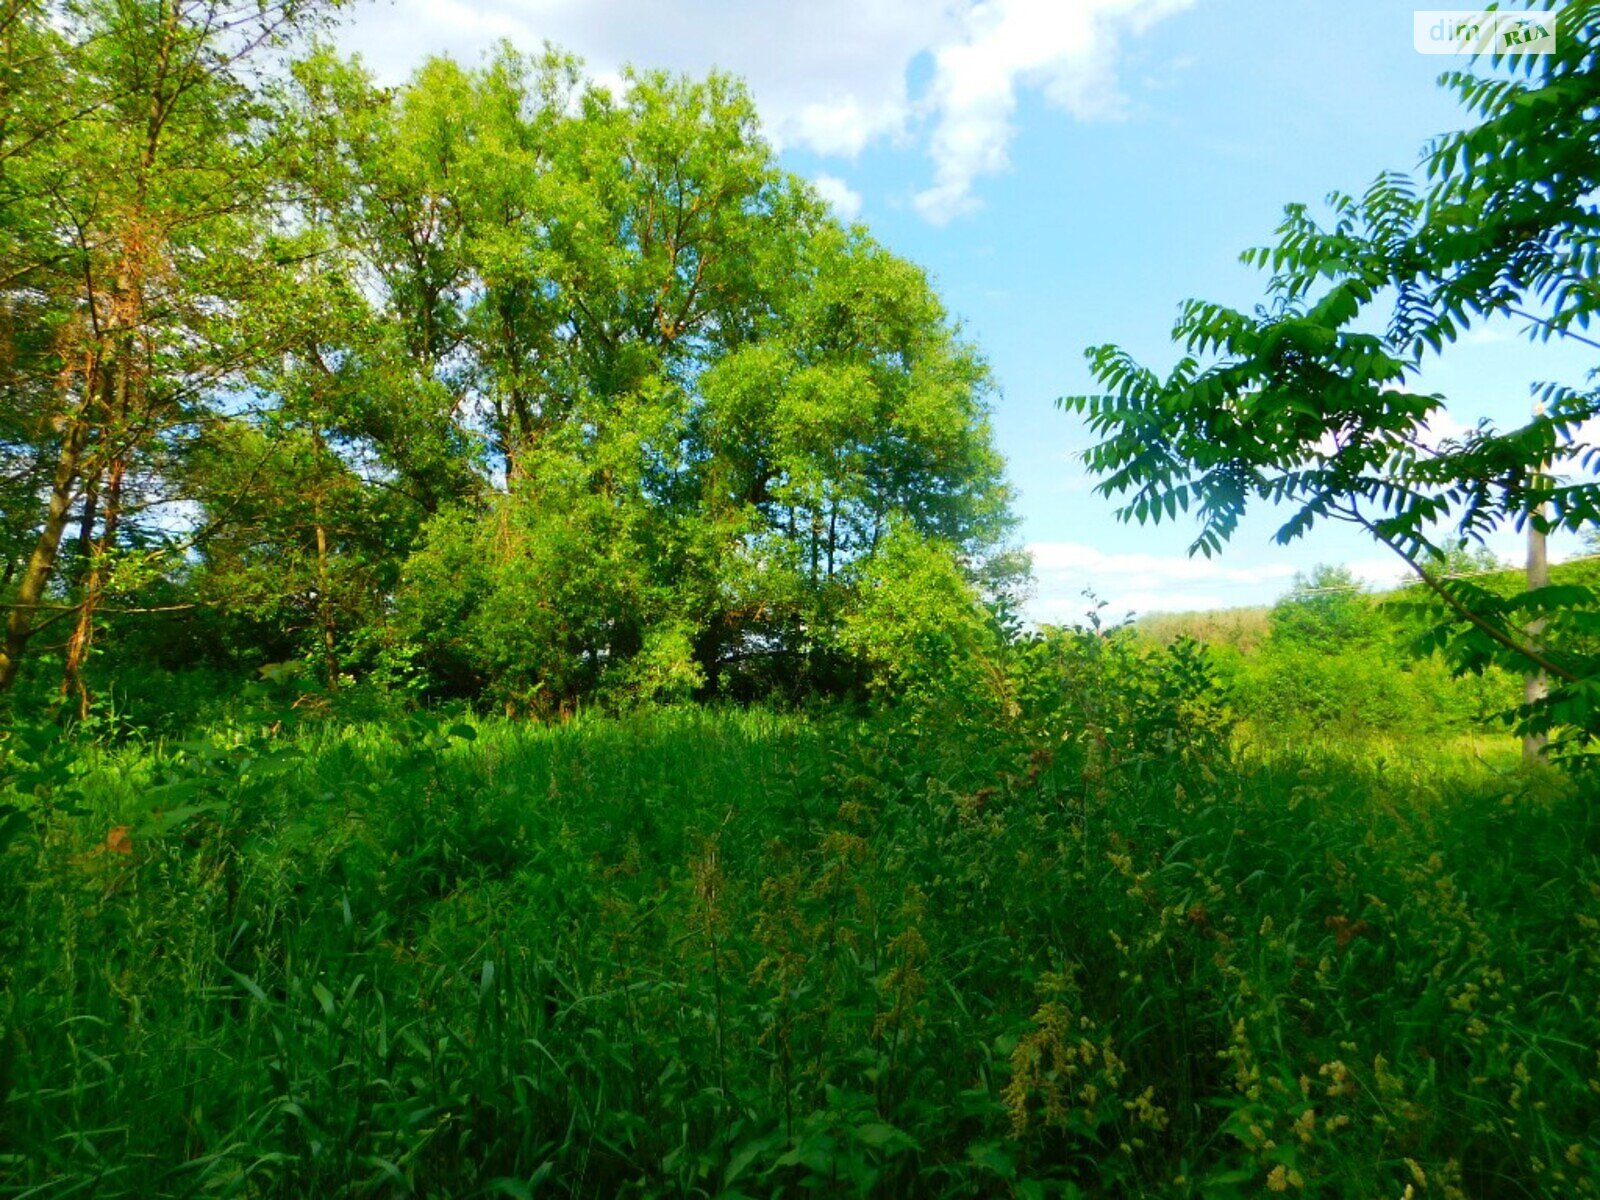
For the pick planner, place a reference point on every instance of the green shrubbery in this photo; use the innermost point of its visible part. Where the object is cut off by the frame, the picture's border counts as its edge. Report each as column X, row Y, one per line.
column 1055, row 941
column 540, row 400
column 1363, row 692
column 1335, row 661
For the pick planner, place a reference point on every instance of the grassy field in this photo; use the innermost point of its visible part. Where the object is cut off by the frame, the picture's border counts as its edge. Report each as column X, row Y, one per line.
column 721, row 954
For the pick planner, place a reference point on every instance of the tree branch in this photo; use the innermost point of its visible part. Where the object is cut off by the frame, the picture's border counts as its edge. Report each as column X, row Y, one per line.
column 1461, row 610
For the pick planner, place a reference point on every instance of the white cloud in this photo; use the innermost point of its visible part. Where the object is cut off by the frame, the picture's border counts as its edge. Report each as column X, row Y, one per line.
column 841, row 197
column 1146, row 583
column 1147, row 570
column 1380, row 574
column 1488, row 335
column 1066, row 49
column 1141, row 583
column 830, row 76
column 1441, row 427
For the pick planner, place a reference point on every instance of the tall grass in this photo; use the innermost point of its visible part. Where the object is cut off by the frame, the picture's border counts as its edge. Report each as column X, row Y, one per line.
column 725, row 954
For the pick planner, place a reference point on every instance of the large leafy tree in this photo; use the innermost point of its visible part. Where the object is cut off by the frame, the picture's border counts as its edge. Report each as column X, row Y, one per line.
column 29, row 117
column 139, row 181
column 525, row 385
column 676, row 407
column 1309, row 402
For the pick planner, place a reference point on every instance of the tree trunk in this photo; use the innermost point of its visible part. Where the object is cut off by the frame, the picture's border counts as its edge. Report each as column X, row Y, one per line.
column 326, row 617
column 20, row 620
column 117, row 396
column 833, row 535
column 86, row 524
column 94, row 588
column 1536, row 684
column 330, row 651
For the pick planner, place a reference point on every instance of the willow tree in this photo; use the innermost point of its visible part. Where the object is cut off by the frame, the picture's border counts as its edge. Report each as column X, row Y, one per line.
column 689, row 403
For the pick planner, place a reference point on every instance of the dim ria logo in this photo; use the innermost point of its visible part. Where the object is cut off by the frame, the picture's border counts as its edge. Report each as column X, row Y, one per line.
column 1452, row 31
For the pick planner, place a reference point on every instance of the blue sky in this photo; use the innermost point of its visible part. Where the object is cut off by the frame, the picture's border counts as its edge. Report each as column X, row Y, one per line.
column 1067, row 172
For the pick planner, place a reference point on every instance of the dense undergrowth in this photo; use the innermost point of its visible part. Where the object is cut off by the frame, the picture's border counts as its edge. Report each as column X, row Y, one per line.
column 505, row 391
column 703, row 953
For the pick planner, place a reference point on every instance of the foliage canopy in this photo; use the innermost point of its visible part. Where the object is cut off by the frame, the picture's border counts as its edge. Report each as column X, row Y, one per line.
column 1307, row 402
column 496, row 384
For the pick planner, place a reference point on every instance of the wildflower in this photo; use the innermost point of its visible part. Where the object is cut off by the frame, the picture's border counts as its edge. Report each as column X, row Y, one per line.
column 1282, row 1178
column 1341, row 1082
column 1146, row 1111
column 1305, row 1125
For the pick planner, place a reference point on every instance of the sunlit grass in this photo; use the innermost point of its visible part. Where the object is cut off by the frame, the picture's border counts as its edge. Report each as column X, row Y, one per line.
column 744, row 953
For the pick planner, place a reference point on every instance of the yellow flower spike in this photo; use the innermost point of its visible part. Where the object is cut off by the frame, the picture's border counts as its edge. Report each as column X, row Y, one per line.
column 1305, row 1125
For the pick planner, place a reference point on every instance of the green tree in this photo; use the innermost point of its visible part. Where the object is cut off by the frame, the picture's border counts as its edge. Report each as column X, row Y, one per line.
column 1327, row 610
column 1303, row 403
column 498, row 381
column 139, row 182
column 701, row 403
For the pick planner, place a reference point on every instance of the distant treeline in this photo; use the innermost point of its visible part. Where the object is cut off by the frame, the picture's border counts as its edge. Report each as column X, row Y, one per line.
column 1333, row 657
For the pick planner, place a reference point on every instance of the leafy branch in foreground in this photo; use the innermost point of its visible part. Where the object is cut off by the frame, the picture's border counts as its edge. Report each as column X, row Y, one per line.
column 1310, row 401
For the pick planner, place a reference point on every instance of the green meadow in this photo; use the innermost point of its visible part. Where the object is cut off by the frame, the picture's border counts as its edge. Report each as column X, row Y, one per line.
column 744, row 953
column 522, row 675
